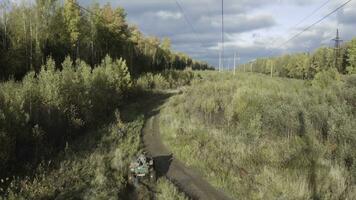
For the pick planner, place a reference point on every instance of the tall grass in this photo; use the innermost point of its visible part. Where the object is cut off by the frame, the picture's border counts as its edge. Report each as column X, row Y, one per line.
column 167, row 191
column 267, row 138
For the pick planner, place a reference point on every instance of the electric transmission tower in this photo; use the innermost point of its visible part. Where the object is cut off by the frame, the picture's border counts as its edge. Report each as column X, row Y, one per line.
column 337, row 45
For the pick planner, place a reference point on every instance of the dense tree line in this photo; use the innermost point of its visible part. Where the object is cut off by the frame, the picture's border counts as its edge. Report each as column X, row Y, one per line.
column 30, row 33
column 306, row 65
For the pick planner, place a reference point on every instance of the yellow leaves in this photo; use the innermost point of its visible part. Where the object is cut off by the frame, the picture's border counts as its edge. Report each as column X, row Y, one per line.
column 72, row 19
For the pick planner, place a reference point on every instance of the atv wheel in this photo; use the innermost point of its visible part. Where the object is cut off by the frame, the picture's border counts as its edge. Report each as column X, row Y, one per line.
column 153, row 177
column 133, row 180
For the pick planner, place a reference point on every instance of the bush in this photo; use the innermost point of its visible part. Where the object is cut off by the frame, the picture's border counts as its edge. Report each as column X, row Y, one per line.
column 166, row 80
column 44, row 111
column 152, row 81
column 325, row 78
column 93, row 168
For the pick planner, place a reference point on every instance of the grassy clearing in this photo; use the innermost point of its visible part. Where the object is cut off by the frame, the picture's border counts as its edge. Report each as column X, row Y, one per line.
column 267, row 138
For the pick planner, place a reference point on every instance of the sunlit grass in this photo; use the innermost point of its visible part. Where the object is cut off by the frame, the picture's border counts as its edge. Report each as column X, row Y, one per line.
column 167, row 191
column 258, row 137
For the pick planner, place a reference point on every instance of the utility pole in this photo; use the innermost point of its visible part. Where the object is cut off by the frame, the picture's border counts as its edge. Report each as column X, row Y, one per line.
column 222, row 34
column 219, row 61
column 251, row 64
column 337, row 50
column 234, row 63
column 238, row 61
column 228, row 64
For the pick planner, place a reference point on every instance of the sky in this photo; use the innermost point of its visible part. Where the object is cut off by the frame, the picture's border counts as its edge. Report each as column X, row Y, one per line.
column 253, row 28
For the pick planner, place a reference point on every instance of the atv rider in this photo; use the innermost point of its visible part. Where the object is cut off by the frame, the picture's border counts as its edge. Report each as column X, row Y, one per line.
column 142, row 166
column 141, row 159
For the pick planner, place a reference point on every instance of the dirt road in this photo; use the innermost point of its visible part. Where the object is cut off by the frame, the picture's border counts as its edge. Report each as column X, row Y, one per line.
column 184, row 178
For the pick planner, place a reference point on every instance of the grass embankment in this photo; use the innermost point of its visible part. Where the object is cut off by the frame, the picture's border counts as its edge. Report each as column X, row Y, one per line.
column 258, row 137
column 167, row 191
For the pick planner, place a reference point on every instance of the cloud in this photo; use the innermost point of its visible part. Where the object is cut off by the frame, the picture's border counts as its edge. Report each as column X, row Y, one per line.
column 242, row 22
column 169, row 15
column 255, row 28
column 347, row 15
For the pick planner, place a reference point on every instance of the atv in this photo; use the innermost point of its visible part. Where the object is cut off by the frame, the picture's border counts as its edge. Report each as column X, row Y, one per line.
column 141, row 168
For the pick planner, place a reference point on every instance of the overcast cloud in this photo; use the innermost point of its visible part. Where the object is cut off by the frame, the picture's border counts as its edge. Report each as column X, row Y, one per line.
column 254, row 28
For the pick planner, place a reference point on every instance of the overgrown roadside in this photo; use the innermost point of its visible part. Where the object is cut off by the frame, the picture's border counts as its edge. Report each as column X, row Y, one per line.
column 92, row 164
column 95, row 165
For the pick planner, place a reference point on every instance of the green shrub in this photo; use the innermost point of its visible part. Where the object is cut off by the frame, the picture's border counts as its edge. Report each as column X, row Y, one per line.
column 178, row 78
column 152, row 81
column 169, row 79
column 325, row 78
column 44, row 111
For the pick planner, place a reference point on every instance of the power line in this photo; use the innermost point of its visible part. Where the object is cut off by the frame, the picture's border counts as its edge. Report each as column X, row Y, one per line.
column 186, row 18
column 304, row 19
column 211, row 11
column 87, row 10
column 315, row 23
column 179, row 6
column 312, row 13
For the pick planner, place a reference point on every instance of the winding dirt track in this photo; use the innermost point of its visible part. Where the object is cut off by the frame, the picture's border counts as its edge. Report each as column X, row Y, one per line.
column 184, row 178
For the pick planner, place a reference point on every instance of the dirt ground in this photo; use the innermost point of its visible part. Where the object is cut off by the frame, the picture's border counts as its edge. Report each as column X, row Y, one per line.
column 187, row 180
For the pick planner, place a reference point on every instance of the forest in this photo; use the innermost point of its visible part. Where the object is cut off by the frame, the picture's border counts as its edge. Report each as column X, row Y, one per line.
column 33, row 32
column 307, row 65
column 74, row 85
